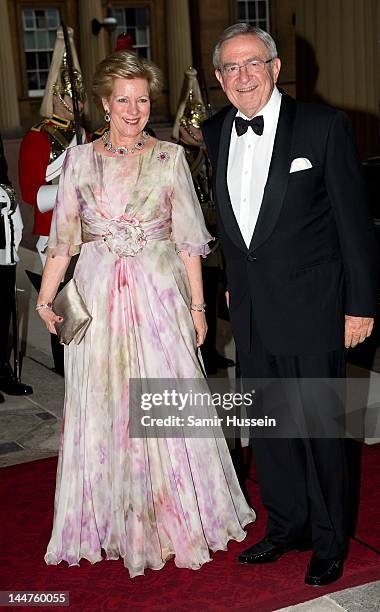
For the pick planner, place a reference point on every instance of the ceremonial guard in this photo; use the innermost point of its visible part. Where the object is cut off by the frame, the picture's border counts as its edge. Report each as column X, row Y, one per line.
column 10, row 237
column 186, row 131
column 44, row 147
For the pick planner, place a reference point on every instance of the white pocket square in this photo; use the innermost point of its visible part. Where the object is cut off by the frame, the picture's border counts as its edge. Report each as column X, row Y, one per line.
column 300, row 163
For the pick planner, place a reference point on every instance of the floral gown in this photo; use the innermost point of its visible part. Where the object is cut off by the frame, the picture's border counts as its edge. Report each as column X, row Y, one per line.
column 145, row 500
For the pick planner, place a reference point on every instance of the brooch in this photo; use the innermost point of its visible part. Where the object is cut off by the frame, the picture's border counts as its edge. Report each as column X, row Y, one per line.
column 163, row 156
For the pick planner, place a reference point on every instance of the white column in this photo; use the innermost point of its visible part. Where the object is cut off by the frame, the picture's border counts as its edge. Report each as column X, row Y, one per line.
column 92, row 50
column 179, row 47
column 9, row 109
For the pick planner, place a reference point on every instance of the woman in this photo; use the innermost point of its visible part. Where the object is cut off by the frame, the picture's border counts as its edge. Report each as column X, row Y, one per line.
column 145, row 500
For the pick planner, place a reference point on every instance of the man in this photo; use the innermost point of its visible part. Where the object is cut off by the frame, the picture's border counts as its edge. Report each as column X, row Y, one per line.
column 43, row 151
column 186, row 130
column 301, row 272
column 10, row 238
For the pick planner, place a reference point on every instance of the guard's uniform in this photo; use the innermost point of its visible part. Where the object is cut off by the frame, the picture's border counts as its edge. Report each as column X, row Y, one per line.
column 43, row 150
column 42, row 154
column 10, row 238
column 43, row 145
column 99, row 132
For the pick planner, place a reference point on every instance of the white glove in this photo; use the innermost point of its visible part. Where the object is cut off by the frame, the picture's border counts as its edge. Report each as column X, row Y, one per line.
column 46, row 197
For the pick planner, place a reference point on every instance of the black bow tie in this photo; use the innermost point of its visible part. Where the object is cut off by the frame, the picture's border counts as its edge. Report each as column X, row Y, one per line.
column 242, row 125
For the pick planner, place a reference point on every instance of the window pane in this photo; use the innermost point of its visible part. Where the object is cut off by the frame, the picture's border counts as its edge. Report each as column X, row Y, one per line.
column 32, row 80
column 30, row 61
column 28, row 17
column 41, row 20
column 262, row 10
column 43, row 78
column 119, row 16
column 141, row 37
column 39, row 39
column 141, row 17
column 43, row 60
column 29, row 40
column 241, row 11
column 130, row 17
column 52, row 18
column 143, row 52
column 252, row 11
column 52, row 35
column 42, row 39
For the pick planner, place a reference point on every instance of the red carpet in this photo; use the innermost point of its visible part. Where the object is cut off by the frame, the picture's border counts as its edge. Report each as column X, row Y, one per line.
column 368, row 526
column 26, row 514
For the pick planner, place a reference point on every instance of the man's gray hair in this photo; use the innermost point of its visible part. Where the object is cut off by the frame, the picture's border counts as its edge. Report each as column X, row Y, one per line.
column 237, row 30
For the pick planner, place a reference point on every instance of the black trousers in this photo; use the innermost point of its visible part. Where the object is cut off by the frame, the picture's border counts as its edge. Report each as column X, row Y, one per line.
column 210, row 286
column 303, row 481
column 7, row 284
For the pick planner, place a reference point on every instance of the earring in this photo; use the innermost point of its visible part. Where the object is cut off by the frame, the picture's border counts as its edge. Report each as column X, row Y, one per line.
column 107, row 116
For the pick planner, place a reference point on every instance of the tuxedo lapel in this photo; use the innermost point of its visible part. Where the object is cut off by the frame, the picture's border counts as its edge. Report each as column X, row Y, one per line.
column 222, row 195
column 278, row 175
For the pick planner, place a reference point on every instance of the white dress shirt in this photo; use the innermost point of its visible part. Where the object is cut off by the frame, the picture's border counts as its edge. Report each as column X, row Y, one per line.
column 248, row 166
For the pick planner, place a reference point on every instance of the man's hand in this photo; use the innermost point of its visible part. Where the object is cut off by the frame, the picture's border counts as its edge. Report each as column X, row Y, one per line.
column 357, row 329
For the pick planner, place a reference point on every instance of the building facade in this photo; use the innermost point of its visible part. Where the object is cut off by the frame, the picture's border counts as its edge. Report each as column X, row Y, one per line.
column 173, row 33
column 328, row 49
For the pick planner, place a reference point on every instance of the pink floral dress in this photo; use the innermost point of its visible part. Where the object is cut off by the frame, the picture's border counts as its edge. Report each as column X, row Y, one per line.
column 145, row 500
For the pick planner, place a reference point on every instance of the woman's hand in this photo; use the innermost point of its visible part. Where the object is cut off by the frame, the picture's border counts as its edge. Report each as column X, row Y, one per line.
column 199, row 320
column 54, row 271
column 49, row 318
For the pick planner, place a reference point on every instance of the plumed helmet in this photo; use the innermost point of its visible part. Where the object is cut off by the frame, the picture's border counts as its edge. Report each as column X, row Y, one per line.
column 191, row 110
column 58, row 82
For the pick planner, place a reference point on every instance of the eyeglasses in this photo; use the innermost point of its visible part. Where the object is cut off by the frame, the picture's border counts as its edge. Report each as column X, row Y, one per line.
column 252, row 67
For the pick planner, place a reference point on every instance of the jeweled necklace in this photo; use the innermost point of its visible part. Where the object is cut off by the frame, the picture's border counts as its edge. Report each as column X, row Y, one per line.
column 124, row 150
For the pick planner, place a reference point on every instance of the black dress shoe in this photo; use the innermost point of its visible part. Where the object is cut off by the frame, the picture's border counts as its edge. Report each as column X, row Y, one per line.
column 323, row 571
column 9, row 383
column 2, row 399
column 264, row 551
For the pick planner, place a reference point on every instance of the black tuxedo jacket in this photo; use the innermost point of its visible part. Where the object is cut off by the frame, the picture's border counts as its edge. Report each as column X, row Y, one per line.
column 313, row 256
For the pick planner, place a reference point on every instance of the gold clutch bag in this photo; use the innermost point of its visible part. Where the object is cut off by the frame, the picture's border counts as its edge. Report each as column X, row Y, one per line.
column 69, row 304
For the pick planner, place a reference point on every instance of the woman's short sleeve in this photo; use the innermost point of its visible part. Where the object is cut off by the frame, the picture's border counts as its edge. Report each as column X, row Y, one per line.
column 66, row 231
column 189, row 231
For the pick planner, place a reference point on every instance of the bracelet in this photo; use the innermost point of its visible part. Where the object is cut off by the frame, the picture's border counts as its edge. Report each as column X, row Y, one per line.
column 198, row 307
column 48, row 305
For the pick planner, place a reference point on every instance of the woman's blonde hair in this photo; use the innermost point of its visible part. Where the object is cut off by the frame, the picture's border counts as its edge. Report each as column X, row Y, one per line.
column 124, row 65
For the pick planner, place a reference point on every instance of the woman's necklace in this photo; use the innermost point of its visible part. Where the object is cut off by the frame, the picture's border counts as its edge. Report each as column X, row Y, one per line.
column 124, row 150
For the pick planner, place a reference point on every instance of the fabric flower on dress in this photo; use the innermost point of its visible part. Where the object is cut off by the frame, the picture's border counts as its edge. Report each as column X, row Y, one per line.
column 125, row 237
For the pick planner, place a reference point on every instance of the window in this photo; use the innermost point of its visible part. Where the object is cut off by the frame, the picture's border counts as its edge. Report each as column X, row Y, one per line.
column 134, row 21
column 255, row 12
column 40, row 31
